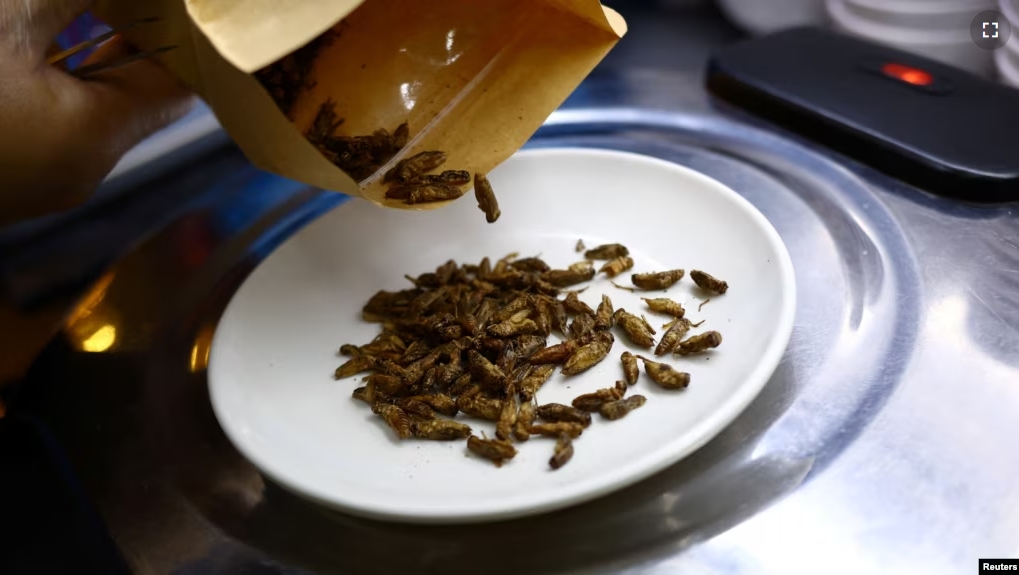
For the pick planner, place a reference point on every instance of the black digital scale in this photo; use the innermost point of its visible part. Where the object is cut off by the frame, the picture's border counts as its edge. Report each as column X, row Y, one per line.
column 935, row 126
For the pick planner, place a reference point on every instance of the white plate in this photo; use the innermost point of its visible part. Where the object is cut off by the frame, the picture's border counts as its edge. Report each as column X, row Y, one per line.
column 270, row 374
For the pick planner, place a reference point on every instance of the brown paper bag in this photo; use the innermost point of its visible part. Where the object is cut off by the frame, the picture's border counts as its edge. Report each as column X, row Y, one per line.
column 471, row 78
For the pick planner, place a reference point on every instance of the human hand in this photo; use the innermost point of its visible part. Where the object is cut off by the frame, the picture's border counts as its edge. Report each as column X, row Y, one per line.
column 60, row 135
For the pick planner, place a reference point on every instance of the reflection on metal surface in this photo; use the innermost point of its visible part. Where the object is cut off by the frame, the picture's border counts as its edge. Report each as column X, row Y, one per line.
column 948, row 315
column 995, row 291
column 90, row 300
column 818, row 547
column 200, row 350
column 90, row 325
column 101, row 340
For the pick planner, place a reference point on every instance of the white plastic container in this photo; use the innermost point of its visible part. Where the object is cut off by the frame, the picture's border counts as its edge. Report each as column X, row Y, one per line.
column 1010, row 8
column 952, row 46
column 1007, row 58
column 941, row 15
column 764, row 16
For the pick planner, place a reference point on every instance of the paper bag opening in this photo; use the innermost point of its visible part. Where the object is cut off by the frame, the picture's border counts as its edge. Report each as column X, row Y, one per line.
column 386, row 80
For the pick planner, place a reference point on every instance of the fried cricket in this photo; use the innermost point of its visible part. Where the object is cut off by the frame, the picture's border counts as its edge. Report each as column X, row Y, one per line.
column 480, row 407
column 440, row 430
column 664, row 375
column 556, row 354
column 557, row 412
column 525, row 418
column 673, row 336
column 486, row 198
column 594, row 401
column 665, row 305
column 395, row 418
column 708, row 282
column 535, row 378
column 429, row 193
column 698, row 343
column 630, row 369
column 353, row 366
column 530, row 265
column 495, row 450
column 607, row 252
column 473, row 339
column 439, row 402
column 603, row 317
column 359, row 156
column 614, row 410
column 617, row 266
column 589, row 355
column 583, row 326
column 563, row 451
column 635, row 328
column 554, row 429
column 568, row 277
column 508, row 415
column 419, row 164
column 657, row 280
column 573, row 304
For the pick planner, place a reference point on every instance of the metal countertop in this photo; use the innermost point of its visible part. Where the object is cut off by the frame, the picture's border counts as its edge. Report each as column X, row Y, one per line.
column 883, row 443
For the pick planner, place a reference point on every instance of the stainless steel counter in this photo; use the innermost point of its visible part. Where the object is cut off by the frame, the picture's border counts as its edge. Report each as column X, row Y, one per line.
column 883, row 444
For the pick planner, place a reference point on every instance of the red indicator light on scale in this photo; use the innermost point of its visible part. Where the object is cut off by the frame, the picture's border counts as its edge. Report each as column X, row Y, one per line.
column 907, row 74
